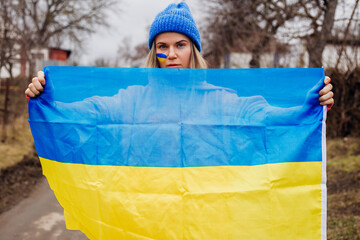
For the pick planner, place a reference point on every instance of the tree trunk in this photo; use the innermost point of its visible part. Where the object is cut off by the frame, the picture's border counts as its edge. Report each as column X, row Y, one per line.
column 6, row 112
column 256, row 52
column 317, row 42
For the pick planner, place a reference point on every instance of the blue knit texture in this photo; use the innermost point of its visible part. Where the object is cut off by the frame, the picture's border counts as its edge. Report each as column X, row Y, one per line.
column 175, row 18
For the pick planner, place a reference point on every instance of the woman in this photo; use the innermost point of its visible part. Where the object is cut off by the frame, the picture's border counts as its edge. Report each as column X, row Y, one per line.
column 174, row 35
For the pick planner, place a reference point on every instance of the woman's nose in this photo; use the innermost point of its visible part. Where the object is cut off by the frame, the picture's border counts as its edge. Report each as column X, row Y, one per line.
column 172, row 53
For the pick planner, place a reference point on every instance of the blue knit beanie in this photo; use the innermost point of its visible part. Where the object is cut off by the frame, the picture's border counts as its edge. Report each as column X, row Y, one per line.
column 175, row 18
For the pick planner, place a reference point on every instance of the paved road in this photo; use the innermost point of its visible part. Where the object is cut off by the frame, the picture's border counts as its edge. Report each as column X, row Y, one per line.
column 38, row 217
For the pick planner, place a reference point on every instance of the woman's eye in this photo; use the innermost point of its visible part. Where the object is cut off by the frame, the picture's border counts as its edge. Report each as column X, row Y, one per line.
column 162, row 46
column 181, row 45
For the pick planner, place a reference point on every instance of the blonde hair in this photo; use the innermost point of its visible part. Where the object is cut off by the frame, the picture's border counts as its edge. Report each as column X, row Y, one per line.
column 196, row 59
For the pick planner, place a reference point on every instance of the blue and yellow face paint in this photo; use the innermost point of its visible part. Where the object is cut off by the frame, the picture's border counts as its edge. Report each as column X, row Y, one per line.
column 161, row 57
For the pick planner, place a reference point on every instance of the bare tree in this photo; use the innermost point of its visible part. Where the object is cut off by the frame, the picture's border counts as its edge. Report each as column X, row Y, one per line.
column 246, row 25
column 321, row 15
column 29, row 24
column 271, row 15
column 131, row 56
column 253, row 24
column 7, row 56
column 346, row 34
column 229, row 24
column 39, row 23
column 7, row 43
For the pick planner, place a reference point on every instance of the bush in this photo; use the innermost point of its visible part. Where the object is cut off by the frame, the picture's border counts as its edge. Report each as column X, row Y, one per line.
column 344, row 117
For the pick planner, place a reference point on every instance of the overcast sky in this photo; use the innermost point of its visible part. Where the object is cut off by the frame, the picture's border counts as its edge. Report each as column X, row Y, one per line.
column 131, row 21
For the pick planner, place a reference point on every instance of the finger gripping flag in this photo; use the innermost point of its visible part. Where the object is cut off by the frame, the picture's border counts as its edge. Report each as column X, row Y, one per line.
column 184, row 153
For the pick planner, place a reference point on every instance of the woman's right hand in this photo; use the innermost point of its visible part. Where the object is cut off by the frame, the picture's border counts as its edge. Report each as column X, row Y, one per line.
column 36, row 87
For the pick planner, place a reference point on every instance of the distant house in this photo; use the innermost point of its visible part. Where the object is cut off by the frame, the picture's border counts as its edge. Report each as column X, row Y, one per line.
column 47, row 57
column 40, row 58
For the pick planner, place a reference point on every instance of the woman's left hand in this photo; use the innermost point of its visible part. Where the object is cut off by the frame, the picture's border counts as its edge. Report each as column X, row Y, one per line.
column 326, row 95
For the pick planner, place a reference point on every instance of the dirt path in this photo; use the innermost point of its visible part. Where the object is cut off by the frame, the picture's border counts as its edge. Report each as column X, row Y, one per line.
column 37, row 217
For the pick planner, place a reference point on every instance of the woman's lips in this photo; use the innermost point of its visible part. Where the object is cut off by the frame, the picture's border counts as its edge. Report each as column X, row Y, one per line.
column 173, row 66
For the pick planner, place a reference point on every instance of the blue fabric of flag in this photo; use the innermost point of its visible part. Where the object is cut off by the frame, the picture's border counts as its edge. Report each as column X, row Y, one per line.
column 178, row 118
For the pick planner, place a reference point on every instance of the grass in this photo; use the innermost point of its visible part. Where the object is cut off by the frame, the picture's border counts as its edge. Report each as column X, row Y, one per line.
column 343, row 174
column 19, row 142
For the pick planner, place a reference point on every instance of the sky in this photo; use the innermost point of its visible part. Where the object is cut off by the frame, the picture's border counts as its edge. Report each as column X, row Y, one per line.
column 131, row 21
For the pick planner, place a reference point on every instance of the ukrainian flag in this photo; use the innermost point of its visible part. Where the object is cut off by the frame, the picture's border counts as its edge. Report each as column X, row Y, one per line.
column 184, row 153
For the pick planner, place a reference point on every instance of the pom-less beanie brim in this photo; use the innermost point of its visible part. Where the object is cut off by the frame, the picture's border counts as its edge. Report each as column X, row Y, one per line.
column 175, row 18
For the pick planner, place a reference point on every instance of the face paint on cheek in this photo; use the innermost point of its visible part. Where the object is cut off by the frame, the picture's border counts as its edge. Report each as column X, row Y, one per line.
column 161, row 57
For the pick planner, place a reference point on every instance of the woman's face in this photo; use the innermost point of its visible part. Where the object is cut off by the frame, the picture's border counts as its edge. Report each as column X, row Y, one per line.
column 177, row 48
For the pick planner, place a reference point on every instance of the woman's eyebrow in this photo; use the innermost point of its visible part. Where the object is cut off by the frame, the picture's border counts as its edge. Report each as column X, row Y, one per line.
column 184, row 40
column 160, row 43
